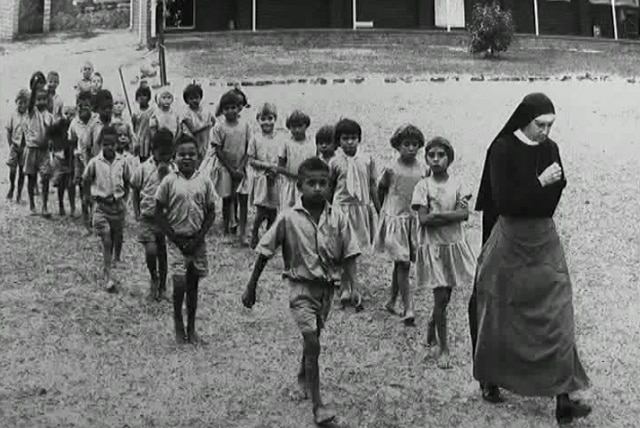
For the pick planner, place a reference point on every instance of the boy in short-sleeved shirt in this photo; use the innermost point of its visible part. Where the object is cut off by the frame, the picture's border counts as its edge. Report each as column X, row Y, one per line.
column 185, row 212
column 314, row 245
column 16, row 137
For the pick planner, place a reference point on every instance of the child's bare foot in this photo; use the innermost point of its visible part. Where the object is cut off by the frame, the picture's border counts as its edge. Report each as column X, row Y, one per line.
column 302, row 386
column 444, row 361
column 356, row 300
column 33, row 211
column 345, row 298
column 195, row 339
column 111, row 287
column 181, row 338
column 431, row 334
column 390, row 307
column 323, row 414
column 46, row 213
column 10, row 195
column 409, row 319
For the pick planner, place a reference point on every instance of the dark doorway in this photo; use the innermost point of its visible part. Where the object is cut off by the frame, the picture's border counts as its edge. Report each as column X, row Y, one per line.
column 31, row 19
column 180, row 14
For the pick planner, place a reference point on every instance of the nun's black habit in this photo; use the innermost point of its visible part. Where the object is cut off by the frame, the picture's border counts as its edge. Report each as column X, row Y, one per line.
column 525, row 330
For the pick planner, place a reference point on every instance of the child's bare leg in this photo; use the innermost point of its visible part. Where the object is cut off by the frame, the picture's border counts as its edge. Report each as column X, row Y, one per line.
column 390, row 306
column 257, row 223
column 161, row 246
column 351, row 271
column 86, row 214
column 403, row 269
column 243, row 202
column 192, row 280
column 302, row 378
column 71, row 192
column 226, row 214
column 61, row 188
column 179, row 286
column 118, row 240
column 20, row 184
column 441, row 298
column 311, row 351
column 151, row 257
column 107, row 246
column 272, row 213
column 31, row 191
column 45, row 196
column 12, row 181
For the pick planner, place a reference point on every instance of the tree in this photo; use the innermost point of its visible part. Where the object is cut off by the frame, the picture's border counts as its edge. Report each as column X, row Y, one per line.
column 491, row 29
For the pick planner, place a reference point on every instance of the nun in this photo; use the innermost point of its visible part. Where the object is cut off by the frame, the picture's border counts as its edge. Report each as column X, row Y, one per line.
column 521, row 310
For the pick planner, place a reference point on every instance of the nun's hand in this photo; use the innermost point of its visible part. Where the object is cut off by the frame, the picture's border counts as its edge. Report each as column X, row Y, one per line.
column 551, row 175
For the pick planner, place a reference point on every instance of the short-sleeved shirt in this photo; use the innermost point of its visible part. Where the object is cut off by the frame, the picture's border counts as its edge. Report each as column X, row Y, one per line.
column 108, row 179
column 353, row 176
column 37, row 125
column 57, row 106
column 232, row 140
column 313, row 251
column 165, row 119
column 296, row 152
column 400, row 180
column 186, row 201
column 80, row 132
column 438, row 197
column 146, row 180
column 17, row 126
column 198, row 118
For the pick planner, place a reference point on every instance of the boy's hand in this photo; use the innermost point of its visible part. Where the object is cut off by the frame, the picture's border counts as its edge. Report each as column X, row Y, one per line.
column 249, row 297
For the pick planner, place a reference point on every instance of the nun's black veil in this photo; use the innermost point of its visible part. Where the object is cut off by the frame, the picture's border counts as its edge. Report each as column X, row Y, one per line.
column 532, row 106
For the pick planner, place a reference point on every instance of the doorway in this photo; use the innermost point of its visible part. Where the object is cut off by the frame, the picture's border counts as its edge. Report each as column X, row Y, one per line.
column 31, row 17
column 449, row 13
column 180, row 14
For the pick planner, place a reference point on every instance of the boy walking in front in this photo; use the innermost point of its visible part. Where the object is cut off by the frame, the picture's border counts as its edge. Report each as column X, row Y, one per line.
column 314, row 244
column 184, row 213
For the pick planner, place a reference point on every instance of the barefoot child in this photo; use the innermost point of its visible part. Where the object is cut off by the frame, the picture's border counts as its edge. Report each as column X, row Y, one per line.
column 396, row 232
column 62, row 164
column 118, row 116
column 108, row 177
column 84, row 84
column 325, row 143
column 316, row 244
column 196, row 121
column 230, row 142
column 36, row 158
column 184, row 213
column 16, row 137
column 56, row 105
column 164, row 116
column 445, row 259
column 145, row 185
column 141, row 122
column 295, row 150
column 264, row 149
column 124, row 147
column 80, row 138
column 355, row 196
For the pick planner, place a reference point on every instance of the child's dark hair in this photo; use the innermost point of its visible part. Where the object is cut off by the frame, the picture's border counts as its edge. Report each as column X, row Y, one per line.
column 267, row 109
column 34, row 95
column 325, row 135
column 191, row 90
column 298, row 118
column 108, row 131
column 53, row 73
column 58, row 129
column 143, row 91
column 84, row 96
column 314, row 164
column 185, row 139
column 102, row 97
column 23, row 94
column 347, row 127
column 440, row 142
column 37, row 78
column 163, row 139
column 229, row 98
column 242, row 97
column 407, row 132
column 95, row 73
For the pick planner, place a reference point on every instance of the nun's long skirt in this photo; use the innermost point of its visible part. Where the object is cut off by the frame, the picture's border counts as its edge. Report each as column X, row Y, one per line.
column 526, row 340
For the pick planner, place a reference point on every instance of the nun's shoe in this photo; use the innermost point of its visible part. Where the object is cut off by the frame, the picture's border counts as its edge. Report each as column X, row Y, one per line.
column 569, row 410
column 491, row 394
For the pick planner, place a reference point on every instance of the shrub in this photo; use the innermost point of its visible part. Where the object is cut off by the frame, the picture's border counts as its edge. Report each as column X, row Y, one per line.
column 491, row 29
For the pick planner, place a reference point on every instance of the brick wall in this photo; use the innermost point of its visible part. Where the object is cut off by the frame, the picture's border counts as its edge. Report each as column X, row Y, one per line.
column 9, row 16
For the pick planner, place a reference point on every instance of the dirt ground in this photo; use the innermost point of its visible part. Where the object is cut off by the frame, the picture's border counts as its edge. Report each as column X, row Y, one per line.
column 72, row 355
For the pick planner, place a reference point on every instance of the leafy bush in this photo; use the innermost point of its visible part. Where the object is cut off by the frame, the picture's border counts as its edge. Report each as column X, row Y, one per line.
column 491, row 29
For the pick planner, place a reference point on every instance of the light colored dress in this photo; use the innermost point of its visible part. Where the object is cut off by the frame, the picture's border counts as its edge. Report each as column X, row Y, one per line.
column 233, row 141
column 167, row 119
column 265, row 191
column 445, row 258
column 397, row 227
column 199, row 118
column 353, row 176
column 294, row 152
column 141, row 123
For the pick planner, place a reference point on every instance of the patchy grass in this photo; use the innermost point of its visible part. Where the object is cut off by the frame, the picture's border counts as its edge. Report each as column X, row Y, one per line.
column 309, row 54
column 72, row 355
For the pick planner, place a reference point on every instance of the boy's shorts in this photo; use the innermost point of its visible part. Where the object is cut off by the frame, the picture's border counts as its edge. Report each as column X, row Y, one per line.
column 310, row 304
column 108, row 217
column 16, row 157
column 37, row 161
column 62, row 171
column 148, row 231
column 178, row 262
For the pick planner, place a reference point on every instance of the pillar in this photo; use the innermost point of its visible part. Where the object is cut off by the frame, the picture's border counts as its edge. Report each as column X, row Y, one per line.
column 46, row 25
column 9, row 17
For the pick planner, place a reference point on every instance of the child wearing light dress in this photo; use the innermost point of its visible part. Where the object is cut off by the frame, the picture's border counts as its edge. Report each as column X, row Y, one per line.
column 396, row 233
column 196, row 121
column 445, row 259
column 355, row 197
column 294, row 151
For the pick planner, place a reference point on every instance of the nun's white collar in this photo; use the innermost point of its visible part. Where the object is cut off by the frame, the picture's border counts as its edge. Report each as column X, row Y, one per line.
column 520, row 136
